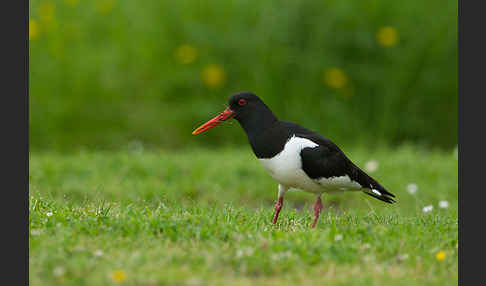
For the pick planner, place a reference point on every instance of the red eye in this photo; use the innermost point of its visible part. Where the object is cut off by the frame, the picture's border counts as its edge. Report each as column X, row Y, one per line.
column 241, row 102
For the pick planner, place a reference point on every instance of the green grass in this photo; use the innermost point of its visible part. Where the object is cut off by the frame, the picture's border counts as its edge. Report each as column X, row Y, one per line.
column 100, row 77
column 203, row 217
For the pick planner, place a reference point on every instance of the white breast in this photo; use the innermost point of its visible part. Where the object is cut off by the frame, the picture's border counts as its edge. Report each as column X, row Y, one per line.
column 286, row 166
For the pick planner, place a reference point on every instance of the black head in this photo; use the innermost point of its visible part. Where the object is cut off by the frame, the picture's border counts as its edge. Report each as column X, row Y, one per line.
column 248, row 109
column 245, row 104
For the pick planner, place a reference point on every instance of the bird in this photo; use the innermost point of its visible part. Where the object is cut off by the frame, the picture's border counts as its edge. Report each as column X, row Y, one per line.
column 296, row 157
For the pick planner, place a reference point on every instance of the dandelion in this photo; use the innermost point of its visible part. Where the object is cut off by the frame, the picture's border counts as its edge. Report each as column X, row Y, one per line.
column 335, row 78
column 440, row 255
column 186, row 54
column 371, row 166
column 412, row 188
column 34, row 31
column 213, row 76
column 118, row 276
column 338, row 237
column 98, row 253
column 428, row 208
column 387, row 36
column 47, row 13
column 443, row 204
column 105, row 6
column 49, row 214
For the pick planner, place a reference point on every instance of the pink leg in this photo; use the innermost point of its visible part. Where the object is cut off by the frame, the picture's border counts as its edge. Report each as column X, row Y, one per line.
column 317, row 210
column 278, row 207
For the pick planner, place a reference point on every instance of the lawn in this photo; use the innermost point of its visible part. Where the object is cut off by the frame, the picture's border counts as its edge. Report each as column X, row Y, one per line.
column 203, row 217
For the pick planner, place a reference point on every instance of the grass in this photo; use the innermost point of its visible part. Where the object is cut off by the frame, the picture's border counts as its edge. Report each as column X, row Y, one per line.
column 120, row 57
column 203, row 217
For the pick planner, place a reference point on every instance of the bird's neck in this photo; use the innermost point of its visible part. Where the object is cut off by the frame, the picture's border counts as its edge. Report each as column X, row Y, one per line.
column 255, row 125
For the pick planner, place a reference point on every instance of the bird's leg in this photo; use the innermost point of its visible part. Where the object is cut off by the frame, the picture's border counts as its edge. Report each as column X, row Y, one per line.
column 278, row 207
column 317, row 210
column 279, row 204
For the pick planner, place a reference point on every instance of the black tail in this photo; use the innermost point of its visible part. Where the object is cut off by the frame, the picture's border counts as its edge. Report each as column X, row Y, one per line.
column 372, row 187
column 383, row 198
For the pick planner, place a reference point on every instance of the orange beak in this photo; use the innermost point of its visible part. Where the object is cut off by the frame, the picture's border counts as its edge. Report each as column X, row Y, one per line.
column 223, row 116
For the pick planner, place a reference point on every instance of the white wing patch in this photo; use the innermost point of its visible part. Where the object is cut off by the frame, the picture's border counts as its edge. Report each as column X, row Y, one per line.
column 342, row 183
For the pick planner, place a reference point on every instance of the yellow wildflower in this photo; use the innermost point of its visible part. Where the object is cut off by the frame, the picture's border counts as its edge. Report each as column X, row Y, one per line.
column 186, row 54
column 47, row 13
column 34, row 31
column 335, row 78
column 440, row 255
column 387, row 36
column 118, row 276
column 213, row 76
column 105, row 6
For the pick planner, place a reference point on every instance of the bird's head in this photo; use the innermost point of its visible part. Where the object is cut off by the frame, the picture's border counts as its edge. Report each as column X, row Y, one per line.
column 243, row 106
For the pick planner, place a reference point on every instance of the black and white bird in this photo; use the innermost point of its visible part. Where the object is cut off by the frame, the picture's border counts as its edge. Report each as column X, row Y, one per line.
column 295, row 156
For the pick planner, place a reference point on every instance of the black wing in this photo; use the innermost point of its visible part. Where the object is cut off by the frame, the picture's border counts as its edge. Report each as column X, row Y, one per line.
column 327, row 160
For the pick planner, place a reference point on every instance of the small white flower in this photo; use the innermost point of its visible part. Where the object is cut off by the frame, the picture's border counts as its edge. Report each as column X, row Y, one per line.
column 371, row 166
column 412, row 188
column 136, row 146
column 239, row 253
column 428, row 208
column 367, row 258
column 35, row 232
column 402, row 257
column 194, row 281
column 365, row 246
column 78, row 248
column 281, row 255
column 247, row 251
column 49, row 214
column 59, row 271
column 443, row 204
column 98, row 253
column 338, row 237
column 136, row 254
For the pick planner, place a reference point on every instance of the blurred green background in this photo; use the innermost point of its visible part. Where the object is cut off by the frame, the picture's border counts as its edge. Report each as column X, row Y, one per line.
column 106, row 74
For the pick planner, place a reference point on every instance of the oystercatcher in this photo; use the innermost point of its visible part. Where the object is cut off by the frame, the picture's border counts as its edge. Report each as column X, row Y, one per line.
column 295, row 156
